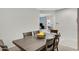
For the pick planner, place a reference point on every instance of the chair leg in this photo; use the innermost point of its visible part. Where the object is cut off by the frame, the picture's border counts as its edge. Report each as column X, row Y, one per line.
column 57, row 48
column 53, row 49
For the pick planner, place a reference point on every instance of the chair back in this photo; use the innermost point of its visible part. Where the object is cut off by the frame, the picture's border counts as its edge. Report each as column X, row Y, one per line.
column 49, row 44
column 27, row 34
column 1, row 43
column 54, row 31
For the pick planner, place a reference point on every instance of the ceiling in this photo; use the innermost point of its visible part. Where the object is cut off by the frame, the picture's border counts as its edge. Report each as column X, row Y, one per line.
column 53, row 9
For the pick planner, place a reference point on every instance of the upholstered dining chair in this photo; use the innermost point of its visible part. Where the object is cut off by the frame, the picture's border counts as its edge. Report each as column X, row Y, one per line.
column 52, row 44
column 3, row 47
column 27, row 34
column 56, row 42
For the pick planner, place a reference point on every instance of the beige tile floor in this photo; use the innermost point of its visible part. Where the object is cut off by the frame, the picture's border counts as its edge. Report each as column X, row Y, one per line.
column 65, row 48
column 61, row 48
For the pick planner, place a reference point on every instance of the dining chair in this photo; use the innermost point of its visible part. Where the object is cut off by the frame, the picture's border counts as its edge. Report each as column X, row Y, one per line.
column 3, row 46
column 52, row 44
column 27, row 34
column 56, row 42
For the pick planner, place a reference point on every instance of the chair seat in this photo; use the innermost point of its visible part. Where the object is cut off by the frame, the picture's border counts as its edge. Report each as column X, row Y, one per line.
column 50, row 49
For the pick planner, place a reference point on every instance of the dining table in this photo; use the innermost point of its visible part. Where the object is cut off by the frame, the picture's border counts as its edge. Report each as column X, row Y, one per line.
column 32, row 43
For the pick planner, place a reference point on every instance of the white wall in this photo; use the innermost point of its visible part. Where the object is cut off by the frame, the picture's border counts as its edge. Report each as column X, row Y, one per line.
column 78, row 25
column 13, row 22
column 67, row 21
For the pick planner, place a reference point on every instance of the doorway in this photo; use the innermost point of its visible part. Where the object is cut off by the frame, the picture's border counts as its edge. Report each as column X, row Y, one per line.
column 46, row 20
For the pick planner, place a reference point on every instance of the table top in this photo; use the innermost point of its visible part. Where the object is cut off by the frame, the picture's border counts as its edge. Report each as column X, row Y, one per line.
column 31, row 43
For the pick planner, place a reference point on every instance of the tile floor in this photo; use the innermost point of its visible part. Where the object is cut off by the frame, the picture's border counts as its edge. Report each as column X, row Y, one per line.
column 65, row 48
column 61, row 48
